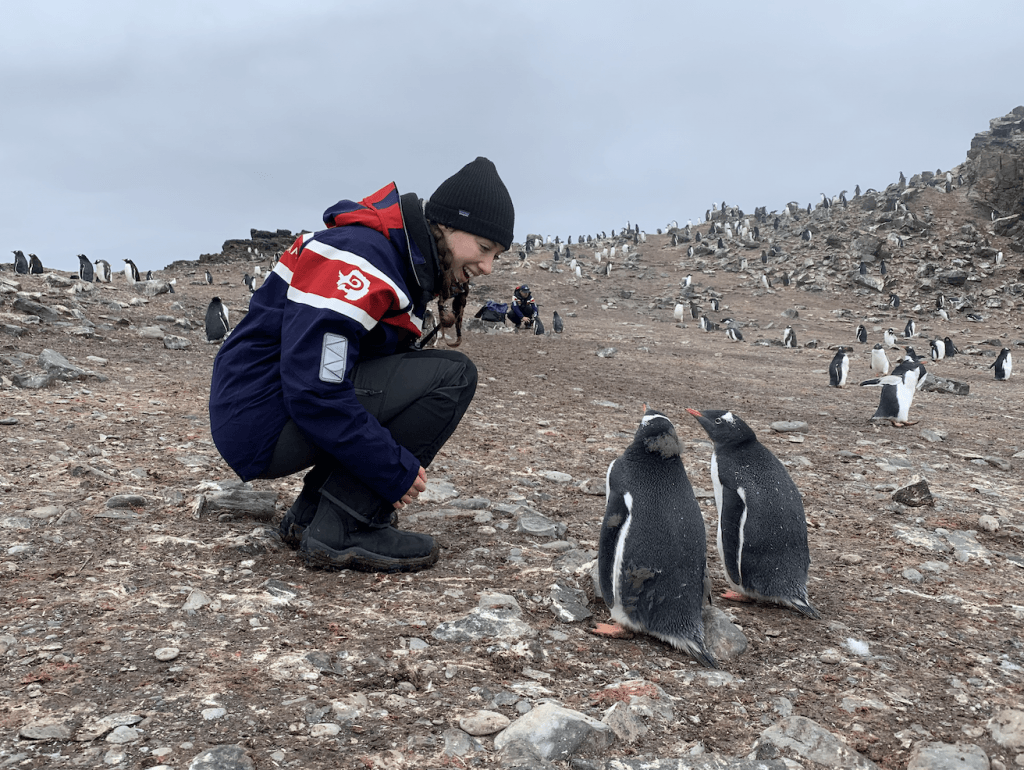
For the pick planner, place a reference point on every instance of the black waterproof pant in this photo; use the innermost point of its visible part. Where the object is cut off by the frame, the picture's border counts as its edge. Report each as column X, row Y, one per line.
column 419, row 396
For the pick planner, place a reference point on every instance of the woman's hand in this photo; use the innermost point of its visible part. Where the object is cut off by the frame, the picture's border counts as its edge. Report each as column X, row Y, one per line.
column 419, row 485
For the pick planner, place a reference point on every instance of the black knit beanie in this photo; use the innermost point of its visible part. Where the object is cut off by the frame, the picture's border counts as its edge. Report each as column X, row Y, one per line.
column 476, row 201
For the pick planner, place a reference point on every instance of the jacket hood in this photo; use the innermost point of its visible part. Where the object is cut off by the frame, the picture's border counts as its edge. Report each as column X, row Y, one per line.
column 400, row 219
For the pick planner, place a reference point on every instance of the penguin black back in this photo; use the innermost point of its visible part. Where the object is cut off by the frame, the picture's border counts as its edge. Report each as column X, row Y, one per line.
column 85, row 271
column 216, row 320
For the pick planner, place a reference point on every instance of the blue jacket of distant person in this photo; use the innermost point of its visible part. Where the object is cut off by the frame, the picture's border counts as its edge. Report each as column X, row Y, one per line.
column 353, row 292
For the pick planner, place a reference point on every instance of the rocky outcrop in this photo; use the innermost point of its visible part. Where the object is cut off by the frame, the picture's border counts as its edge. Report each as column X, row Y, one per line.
column 995, row 165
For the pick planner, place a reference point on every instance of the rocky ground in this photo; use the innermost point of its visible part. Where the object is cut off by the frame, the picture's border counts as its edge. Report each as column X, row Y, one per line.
column 148, row 625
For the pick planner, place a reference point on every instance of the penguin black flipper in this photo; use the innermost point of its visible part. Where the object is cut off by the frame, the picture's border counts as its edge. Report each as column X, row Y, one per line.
column 730, row 524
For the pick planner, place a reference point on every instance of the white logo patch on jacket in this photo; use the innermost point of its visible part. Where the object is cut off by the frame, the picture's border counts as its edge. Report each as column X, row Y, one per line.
column 355, row 284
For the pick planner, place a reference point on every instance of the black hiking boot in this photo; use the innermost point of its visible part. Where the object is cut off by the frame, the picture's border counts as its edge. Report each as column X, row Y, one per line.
column 297, row 518
column 337, row 540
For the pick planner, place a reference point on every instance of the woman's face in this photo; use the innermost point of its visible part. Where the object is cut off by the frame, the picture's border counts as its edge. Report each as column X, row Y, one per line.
column 472, row 255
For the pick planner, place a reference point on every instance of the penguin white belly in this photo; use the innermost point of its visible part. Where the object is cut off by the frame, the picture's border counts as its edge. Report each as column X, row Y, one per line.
column 617, row 612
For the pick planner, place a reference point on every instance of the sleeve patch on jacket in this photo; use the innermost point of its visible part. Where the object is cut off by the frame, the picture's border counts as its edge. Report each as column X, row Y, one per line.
column 333, row 358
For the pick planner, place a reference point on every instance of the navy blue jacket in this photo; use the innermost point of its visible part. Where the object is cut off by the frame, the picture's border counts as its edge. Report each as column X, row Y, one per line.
column 355, row 291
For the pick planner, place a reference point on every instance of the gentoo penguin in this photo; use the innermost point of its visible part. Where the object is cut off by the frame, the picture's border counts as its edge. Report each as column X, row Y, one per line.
column 556, row 323
column 20, row 263
column 102, row 271
column 838, row 369
column 806, row 235
column 1003, row 365
column 766, row 282
column 938, row 350
column 881, row 267
column 898, row 392
column 879, row 361
column 911, row 354
column 785, row 279
column 950, row 347
column 651, row 553
column 85, row 271
column 579, row 272
column 694, row 311
column 862, row 334
column 678, row 311
column 715, row 304
column 690, row 252
column 788, row 337
column 217, row 323
column 35, row 265
column 688, row 280
column 733, row 334
column 890, row 338
column 705, row 323
column 762, row 531
column 131, row 273
column 209, row 278
column 863, row 268
column 764, row 257
column 894, row 301
column 910, row 330
column 149, row 275
column 538, row 327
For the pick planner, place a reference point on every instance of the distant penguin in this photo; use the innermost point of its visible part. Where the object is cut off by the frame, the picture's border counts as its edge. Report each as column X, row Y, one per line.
column 785, row 279
column 651, row 558
column 556, row 323
column 881, row 267
column 862, row 334
column 688, row 281
column 879, row 361
column 579, row 272
column 209, row 278
column 715, row 304
column 538, row 327
column 734, row 335
column 35, row 265
column 20, row 263
column 762, row 530
column 694, row 311
column 690, row 252
column 788, row 337
column 705, row 323
column 910, row 330
column 897, row 392
column 890, row 338
column 938, row 350
column 911, row 354
column 764, row 257
column 131, row 273
column 863, row 268
column 838, row 369
column 149, row 275
column 85, row 271
column 217, row 323
column 1003, row 365
column 894, row 301
column 950, row 347
column 678, row 311
column 103, row 272
column 766, row 282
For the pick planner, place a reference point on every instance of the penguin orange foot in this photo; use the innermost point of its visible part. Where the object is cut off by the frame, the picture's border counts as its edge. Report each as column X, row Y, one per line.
column 612, row 630
column 733, row 596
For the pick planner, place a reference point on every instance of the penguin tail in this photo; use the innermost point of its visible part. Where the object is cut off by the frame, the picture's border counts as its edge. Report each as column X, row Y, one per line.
column 699, row 653
column 802, row 605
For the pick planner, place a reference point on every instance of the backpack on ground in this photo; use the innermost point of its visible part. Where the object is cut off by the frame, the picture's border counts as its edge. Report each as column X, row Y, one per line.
column 493, row 312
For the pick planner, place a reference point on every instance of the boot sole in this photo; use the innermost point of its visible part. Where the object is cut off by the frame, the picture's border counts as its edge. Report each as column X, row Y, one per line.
column 318, row 555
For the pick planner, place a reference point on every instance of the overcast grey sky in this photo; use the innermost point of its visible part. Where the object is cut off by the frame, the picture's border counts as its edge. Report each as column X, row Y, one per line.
column 158, row 130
